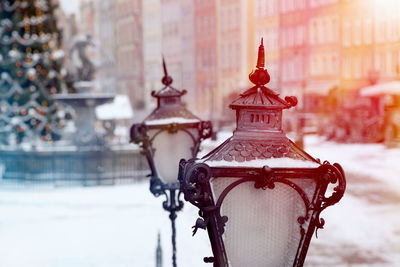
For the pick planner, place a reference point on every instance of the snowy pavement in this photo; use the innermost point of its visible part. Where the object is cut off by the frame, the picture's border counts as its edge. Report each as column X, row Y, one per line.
column 118, row 225
column 363, row 229
column 92, row 227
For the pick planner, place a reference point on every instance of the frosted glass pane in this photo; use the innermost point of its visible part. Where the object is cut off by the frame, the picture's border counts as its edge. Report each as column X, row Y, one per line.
column 262, row 229
column 308, row 185
column 170, row 149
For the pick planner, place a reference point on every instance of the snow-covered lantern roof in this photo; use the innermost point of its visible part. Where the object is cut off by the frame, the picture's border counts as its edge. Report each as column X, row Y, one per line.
column 168, row 134
column 260, row 196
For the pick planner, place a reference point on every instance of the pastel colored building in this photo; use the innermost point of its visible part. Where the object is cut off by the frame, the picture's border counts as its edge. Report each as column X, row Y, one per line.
column 370, row 42
column 266, row 25
column 233, row 39
column 206, row 55
column 106, row 71
column 294, row 50
column 152, row 49
column 129, row 51
column 178, row 45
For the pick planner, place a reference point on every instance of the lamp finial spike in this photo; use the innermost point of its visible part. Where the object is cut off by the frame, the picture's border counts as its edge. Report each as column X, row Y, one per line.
column 166, row 80
column 164, row 66
column 260, row 75
column 261, row 55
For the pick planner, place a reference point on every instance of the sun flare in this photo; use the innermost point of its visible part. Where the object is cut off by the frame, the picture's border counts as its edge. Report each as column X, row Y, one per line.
column 385, row 4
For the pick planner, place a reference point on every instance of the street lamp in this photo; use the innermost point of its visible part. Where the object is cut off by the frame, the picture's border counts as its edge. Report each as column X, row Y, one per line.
column 259, row 195
column 170, row 133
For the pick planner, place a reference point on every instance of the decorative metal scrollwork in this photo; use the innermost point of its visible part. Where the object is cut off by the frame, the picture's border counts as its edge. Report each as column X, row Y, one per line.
column 194, row 184
column 205, row 129
column 173, row 128
column 332, row 174
column 139, row 134
column 264, row 180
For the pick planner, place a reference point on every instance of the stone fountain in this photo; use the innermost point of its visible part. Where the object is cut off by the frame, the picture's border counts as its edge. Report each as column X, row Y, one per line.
column 84, row 103
column 85, row 100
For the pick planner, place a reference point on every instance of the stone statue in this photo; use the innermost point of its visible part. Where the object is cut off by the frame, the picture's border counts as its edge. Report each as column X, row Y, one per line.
column 84, row 68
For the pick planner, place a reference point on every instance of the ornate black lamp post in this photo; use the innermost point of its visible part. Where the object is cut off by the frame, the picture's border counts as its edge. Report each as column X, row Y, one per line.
column 170, row 133
column 259, row 195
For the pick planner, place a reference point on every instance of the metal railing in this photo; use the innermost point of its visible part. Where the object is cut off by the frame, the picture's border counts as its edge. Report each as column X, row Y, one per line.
column 64, row 167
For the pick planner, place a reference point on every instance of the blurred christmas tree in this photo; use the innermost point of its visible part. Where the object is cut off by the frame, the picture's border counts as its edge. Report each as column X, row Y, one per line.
column 30, row 71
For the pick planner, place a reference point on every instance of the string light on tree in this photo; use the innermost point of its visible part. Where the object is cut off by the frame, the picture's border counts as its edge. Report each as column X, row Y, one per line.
column 29, row 72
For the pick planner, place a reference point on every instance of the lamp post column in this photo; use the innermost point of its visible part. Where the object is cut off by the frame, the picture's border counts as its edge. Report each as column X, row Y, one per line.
column 172, row 204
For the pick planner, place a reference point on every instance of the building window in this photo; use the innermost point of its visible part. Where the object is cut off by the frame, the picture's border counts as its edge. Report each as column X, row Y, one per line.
column 389, row 64
column 380, row 63
column 317, row 65
column 357, row 67
column 320, row 31
column 290, row 36
column 312, row 32
column 397, row 64
column 335, row 29
column 391, row 29
column 283, row 6
column 290, row 5
column 266, row 8
column 380, row 31
column 334, row 63
column 258, row 7
column 312, row 65
column 364, row 66
column 299, row 35
column 284, row 38
column 346, row 73
column 397, row 31
column 300, row 4
column 367, row 32
column 357, row 32
column 346, row 33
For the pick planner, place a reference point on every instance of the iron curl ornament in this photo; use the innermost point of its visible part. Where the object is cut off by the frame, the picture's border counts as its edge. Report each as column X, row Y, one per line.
column 260, row 196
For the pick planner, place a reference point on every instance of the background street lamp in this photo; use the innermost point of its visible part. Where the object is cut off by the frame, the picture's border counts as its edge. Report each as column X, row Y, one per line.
column 170, row 133
column 260, row 196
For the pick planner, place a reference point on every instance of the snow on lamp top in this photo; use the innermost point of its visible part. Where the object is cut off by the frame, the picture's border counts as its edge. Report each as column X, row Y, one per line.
column 170, row 108
column 259, row 139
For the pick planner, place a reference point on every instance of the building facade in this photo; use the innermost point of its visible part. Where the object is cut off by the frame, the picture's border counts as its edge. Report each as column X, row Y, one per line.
column 323, row 68
column 370, row 42
column 266, row 26
column 312, row 46
column 129, row 51
column 233, row 39
column 106, row 71
column 206, row 55
column 178, row 45
column 152, row 48
column 293, row 43
column 188, row 52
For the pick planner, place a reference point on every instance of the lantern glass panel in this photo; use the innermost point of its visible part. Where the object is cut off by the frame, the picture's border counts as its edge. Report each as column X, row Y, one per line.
column 262, row 228
column 307, row 185
column 170, row 148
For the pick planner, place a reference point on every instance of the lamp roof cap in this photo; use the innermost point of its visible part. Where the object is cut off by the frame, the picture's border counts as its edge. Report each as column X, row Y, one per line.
column 167, row 90
column 260, row 96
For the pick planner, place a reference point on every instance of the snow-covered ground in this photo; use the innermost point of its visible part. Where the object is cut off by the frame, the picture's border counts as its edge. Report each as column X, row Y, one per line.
column 92, row 227
column 363, row 229
column 118, row 225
